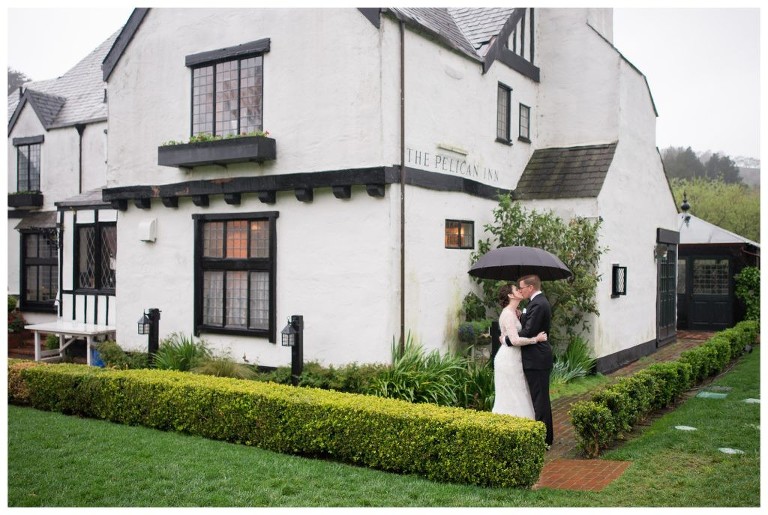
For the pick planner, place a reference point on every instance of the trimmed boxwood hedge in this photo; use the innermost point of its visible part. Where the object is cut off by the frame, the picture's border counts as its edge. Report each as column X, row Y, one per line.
column 444, row 444
column 615, row 409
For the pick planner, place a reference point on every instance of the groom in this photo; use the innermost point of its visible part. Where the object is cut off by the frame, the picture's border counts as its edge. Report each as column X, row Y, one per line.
column 537, row 358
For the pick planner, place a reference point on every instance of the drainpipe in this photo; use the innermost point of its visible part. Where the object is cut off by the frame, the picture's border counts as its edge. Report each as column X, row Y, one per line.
column 402, row 186
column 80, row 127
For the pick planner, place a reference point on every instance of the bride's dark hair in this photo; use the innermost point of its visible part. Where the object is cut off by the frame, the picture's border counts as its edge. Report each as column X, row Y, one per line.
column 504, row 292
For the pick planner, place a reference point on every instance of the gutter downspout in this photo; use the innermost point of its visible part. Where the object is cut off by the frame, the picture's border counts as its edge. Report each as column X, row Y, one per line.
column 80, row 127
column 402, row 186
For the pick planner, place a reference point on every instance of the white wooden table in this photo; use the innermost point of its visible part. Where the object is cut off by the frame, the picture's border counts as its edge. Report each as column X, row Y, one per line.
column 68, row 331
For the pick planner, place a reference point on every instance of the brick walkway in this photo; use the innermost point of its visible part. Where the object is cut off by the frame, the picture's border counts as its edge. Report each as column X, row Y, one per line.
column 564, row 467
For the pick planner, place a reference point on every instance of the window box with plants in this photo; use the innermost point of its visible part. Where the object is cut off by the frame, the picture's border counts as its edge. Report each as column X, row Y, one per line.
column 25, row 199
column 204, row 150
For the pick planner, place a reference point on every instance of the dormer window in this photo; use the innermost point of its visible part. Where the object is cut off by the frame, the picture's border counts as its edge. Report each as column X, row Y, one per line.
column 227, row 89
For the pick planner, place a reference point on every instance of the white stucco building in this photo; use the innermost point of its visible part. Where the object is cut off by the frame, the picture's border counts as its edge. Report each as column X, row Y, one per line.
column 61, row 263
column 391, row 134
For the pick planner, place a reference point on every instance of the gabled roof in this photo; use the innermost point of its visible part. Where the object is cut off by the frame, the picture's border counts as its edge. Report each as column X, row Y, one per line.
column 570, row 172
column 75, row 97
column 481, row 26
column 697, row 231
column 439, row 22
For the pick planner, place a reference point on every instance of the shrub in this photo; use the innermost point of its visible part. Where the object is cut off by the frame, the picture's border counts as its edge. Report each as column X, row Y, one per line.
column 18, row 391
column 115, row 357
column 631, row 399
column 16, row 321
column 443, row 444
column 181, row 352
column 478, row 390
column 748, row 291
column 12, row 303
column 224, row 366
column 419, row 377
column 473, row 308
column 51, row 342
column 594, row 426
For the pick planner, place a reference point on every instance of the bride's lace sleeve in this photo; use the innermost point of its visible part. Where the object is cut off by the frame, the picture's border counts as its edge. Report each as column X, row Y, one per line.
column 508, row 328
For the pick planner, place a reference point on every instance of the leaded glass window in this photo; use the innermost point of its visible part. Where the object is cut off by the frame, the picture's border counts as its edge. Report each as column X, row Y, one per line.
column 710, row 276
column 28, row 167
column 41, row 270
column 459, row 234
column 227, row 97
column 96, row 260
column 236, row 270
column 503, row 103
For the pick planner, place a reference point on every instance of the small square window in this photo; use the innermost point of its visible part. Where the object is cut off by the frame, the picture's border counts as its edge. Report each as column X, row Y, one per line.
column 619, row 281
column 525, row 123
column 459, row 234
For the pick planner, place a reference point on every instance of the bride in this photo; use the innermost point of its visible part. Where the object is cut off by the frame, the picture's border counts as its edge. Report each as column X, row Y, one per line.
column 512, row 394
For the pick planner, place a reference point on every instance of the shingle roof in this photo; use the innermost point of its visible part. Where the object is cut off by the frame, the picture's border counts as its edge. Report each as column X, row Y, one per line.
column 481, row 25
column 80, row 91
column 570, row 172
column 440, row 22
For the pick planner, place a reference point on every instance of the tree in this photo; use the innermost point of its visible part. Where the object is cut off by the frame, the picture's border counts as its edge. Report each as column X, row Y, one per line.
column 722, row 167
column 16, row 79
column 574, row 241
column 734, row 207
column 682, row 163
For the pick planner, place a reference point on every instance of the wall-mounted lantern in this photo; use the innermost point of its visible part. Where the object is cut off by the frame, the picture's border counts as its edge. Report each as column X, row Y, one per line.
column 149, row 324
column 619, row 281
column 144, row 324
column 293, row 337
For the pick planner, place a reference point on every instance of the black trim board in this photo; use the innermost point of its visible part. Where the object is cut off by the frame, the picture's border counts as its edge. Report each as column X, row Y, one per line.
column 246, row 49
column 373, row 178
column 30, row 140
column 122, row 41
column 615, row 361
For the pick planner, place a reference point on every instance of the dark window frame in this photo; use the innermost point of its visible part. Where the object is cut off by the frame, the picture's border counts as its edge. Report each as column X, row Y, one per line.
column 47, row 306
column 29, row 147
column 224, row 264
column 214, row 59
column 504, row 109
column 527, row 136
column 618, row 281
column 461, row 225
column 98, row 286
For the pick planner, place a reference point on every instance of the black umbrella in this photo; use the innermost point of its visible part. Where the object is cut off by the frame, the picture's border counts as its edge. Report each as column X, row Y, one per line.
column 512, row 263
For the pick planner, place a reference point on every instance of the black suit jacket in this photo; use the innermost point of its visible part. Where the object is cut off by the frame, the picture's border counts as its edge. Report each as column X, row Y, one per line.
column 537, row 318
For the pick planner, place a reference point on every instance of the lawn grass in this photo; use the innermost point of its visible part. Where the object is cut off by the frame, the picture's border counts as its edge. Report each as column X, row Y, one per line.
column 57, row 460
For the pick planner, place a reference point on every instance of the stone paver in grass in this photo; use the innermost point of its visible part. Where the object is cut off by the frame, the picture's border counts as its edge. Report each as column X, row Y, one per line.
column 711, row 395
column 719, row 388
column 752, row 401
column 728, row 450
column 685, row 428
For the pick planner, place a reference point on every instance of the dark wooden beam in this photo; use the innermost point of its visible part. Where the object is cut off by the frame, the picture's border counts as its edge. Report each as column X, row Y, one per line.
column 267, row 197
column 232, row 199
column 375, row 190
column 170, row 201
column 142, row 203
column 304, row 194
column 342, row 191
column 200, row 200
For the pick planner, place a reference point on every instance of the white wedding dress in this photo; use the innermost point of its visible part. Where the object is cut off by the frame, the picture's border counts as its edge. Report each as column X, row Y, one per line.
column 512, row 394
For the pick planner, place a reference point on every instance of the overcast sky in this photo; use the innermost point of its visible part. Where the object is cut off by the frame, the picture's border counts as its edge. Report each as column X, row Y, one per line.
column 702, row 64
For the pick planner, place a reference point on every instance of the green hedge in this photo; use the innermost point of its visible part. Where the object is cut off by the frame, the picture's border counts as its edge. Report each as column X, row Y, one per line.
column 444, row 444
column 614, row 410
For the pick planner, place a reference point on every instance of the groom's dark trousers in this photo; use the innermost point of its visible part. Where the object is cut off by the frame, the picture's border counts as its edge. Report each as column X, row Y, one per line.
column 537, row 359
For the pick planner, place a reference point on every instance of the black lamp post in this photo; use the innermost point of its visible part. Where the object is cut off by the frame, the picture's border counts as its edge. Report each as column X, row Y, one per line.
column 293, row 337
column 149, row 325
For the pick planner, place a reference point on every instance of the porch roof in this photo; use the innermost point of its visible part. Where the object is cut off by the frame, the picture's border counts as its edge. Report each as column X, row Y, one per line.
column 37, row 220
column 697, row 231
